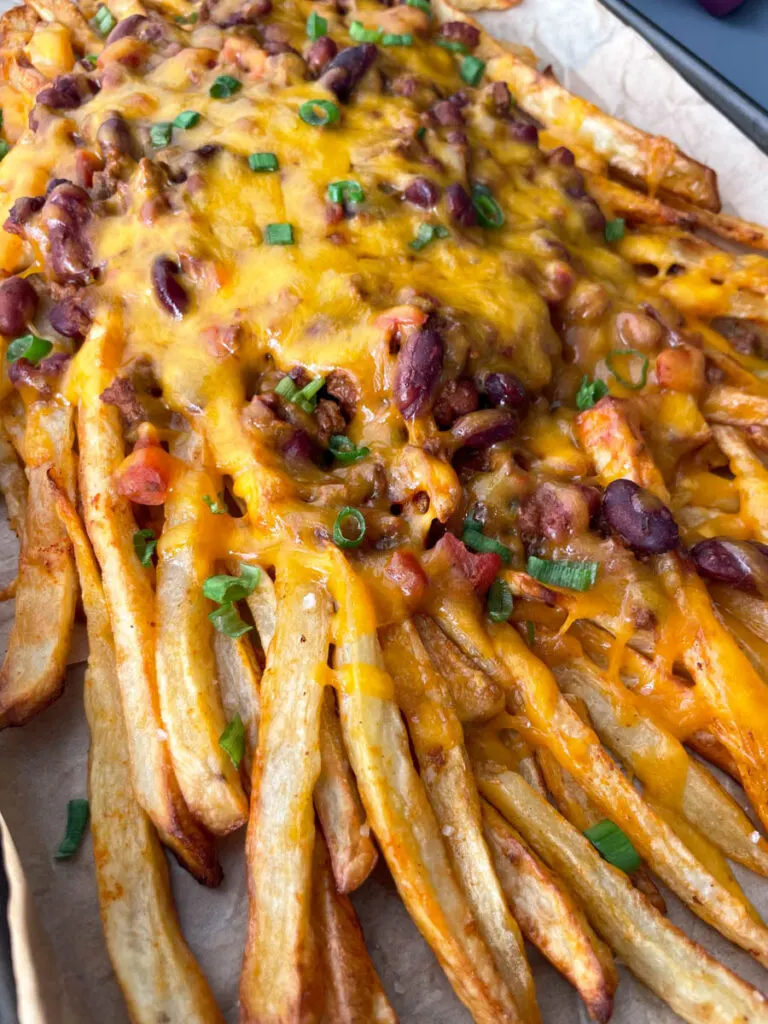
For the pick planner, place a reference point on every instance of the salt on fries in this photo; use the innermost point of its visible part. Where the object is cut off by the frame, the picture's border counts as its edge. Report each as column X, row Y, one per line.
column 404, row 418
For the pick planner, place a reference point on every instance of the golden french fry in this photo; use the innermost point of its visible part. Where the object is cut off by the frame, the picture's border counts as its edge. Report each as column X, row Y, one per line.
column 155, row 968
column 239, row 676
column 681, row 973
column 734, row 407
column 13, row 485
column 751, row 479
column 550, row 918
column 32, row 675
column 65, row 12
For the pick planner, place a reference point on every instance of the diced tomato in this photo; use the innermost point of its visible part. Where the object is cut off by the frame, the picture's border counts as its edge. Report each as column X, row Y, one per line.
column 398, row 316
column 480, row 569
column 407, row 572
column 144, row 477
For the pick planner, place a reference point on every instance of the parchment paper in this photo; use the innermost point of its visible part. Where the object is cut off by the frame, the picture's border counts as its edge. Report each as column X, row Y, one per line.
column 43, row 765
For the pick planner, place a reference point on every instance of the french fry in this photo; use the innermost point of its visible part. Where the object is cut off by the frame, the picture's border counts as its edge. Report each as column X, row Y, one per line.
column 353, row 992
column 67, row 13
column 751, row 479
column 681, row 973
column 734, row 407
column 239, row 676
column 550, row 918
column 13, row 485
column 155, row 968
column 436, row 734
column 749, row 609
column 277, row 967
column 32, row 675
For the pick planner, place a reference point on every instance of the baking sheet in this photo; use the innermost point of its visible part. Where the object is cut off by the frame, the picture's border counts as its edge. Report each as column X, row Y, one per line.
column 43, row 765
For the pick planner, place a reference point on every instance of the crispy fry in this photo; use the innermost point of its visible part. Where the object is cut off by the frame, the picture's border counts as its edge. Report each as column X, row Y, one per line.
column 67, row 13
column 681, row 973
column 33, row 671
column 751, row 479
column 154, row 966
column 239, row 676
column 732, row 406
column 13, row 485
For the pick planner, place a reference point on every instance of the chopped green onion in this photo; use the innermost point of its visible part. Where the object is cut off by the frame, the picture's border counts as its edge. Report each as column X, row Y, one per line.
column 224, row 87
column 614, row 229
column 286, row 388
column 472, row 70
column 319, row 113
column 232, row 740
column 92, row 59
column 421, row 132
column 306, row 398
column 2, row 116
column 488, row 211
column 590, row 392
column 563, row 573
column 628, row 382
column 345, row 450
column 614, row 846
column 349, row 191
column 228, row 589
column 263, row 162
column 361, row 34
column 77, row 819
column 160, row 134
column 530, row 630
column 316, row 26
column 279, row 234
column 393, row 39
column 217, row 507
column 5, row 149
column 452, row 44
column 344, row 516
column 477, row 541
column 471, row 522
column 144, row 544
column 186, row 119
column 226, row 619
column 500, row 601
column 103, row 21
column 423, row 5
column 30, row 347
column 187, row 19
column 428, row 233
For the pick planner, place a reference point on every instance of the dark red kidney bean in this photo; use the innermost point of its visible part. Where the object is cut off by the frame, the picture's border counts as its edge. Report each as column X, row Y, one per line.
column 561, row 157
column 170, row 293
column 67, row 92
column 347, row 68
column 738, row 563
column 320, row 54
column 65, row 215
column 71, row 317
column 504, row 390
column 115, row 137
column 455, row 398
column 460, row 32
column 486, row 427
column 594, row 220
column 419, row 365
column 126, row 27
column 640, row 519
column 22, row 373
column 208, row 151
column 523, row 131
column 422, row 192
column 22, row 211
column 18, row 305
column 298, row 446
column 574, row 185
column 447, row 113
column 500, row 98
column 460, row 206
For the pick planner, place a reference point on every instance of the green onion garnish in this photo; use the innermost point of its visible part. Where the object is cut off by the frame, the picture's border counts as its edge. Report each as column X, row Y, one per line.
column 224, row 87
column 423, row 5
column 428, row 233
column 232, row 740
column 103, row 21
column 5, row 149
column 530, row 630
column 186, row 119
column 286, row 388
column 226, row 620
column 263, row 162
column 361, row 34
column 304, row 397
column 339, row 537
column 144, row 544
column 228, row 589
column 614, row 846
column 393, row 39
column 472, row 70
column 186, row 19
column 160, row 134
column 477, row 541
column 500, row 601
column 489, row 213
column 217, row 507
column 628, row 382
column 316, row 26
column 345, row 450
column 452, row 44
column 421, row 132
column 279, row 234
column 590, row 392
column 30, row 347
column 319, row 113
column 77, row 819
column 563, row 573
column 92, row 59
column 614, row 229
column 349, row 191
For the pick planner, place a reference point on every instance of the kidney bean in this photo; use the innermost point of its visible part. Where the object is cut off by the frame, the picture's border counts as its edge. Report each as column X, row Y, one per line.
column 298, row 446
column 170, row 293
column 22, row 211
column 504, row 390
column 640, row 519
column 71, row 317
column 422, row 192
column 347, row 68
column 594, row 221
column 320, row 54
column 129, row 26
column 447, row 113
column 67, row 92
column 455, row 398
column 207, row 151
column 523, row 131
column 460, row 206
column 574, row 185
column 738, row 563
column 115, row 137
column 18, row 305
column 460, row 32
column 66, row 214
column 486, row 427
column 561, row 157
column 419, row 364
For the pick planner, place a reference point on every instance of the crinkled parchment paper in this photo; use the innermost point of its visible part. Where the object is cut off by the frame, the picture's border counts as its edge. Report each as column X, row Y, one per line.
column 43, row 765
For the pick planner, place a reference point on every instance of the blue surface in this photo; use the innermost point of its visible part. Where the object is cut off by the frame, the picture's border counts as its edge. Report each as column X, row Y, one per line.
column 735, row 46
